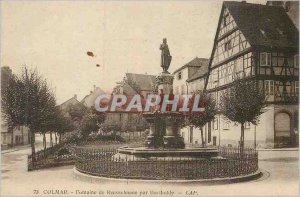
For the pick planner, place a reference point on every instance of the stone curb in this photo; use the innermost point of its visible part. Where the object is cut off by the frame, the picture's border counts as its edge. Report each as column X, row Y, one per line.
column 281, row 149
column 9, row 151
column 97, row 179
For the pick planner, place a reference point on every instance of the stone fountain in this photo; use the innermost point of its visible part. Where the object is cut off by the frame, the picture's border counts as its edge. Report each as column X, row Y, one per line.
column 164, row 138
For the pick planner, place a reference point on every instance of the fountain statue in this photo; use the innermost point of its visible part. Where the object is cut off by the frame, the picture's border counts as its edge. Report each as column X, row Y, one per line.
column 164, row 138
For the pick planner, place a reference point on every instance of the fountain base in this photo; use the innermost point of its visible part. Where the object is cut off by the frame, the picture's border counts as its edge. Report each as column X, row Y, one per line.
column 141, row 153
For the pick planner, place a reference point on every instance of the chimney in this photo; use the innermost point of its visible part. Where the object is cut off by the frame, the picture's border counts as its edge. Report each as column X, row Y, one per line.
column 75, row 96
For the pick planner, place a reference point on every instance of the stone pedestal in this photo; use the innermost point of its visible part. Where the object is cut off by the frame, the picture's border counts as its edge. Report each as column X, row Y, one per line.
column 164, row 132
column 165, row 83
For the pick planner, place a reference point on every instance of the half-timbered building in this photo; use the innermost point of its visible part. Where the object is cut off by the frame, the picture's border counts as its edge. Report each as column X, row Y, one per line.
column 257, row 42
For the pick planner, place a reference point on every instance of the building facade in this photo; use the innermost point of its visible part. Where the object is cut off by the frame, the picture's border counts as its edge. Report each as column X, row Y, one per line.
column 189, row 79
column 131, row 85
column 267, row 51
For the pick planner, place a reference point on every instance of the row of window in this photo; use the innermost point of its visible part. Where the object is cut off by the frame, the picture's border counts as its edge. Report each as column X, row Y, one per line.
column 226, row 73
column 226, row 124
column 267, row 59
column 278, row 88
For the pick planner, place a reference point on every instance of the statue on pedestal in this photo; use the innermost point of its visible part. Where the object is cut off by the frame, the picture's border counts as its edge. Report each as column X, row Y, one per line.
column 166, row 57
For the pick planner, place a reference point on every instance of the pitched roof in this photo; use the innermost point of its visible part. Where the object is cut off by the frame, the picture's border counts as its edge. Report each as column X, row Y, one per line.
column 89, row 99
column 144, row 81
column 200, row 72
column 196, row 62
column 72, row 100
column 264, row 25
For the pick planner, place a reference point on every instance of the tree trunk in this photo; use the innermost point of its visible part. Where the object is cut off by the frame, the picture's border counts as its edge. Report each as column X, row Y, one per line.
column 242, row 139
column 44, row 142
column 202, row 138
column 12, row 134
column 192, row 134
column 55, row 137
column 59, row 139
column 12, row 138
column 32, row 141
column 22, row 133
column 51, row 142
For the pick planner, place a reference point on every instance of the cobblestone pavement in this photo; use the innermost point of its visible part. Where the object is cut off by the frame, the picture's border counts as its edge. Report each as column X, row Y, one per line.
column 281, row 178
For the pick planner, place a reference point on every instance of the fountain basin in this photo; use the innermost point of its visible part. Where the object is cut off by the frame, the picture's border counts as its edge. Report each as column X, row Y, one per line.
column 131, row 153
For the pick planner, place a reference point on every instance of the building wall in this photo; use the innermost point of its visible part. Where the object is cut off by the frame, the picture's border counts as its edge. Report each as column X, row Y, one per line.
column 265, row 131
column 123, row 119
column 20, row 136
column 179, row 85
column 197, row 84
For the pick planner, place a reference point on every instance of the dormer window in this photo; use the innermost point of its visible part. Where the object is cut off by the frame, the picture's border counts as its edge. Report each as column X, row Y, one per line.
column 265, row 59
column 179, row 75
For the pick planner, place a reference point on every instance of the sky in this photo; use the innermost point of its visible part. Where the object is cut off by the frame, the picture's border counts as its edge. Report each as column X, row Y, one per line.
column 54, row 37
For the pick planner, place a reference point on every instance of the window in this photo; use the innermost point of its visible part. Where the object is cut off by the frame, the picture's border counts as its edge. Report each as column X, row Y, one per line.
column 179, row 76
column 228, row 45
column 297, row 88
column 226, row 20
column 269, row 87
column 296, row 61
column 265, row 59
column 226, row 124
column 215, row 124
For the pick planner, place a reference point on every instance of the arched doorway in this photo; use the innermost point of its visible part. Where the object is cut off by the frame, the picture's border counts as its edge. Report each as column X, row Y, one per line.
column 282, row 129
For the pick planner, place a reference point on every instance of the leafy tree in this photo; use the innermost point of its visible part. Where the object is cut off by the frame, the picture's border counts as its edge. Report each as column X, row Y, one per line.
column 91, row 123
column 113, row 127
column 65, row 124
column 243, row 102
column 77, row 112
column 142, row 124
column 58, row 123
column 28, row 101
column 13, row 103
column 199, row 119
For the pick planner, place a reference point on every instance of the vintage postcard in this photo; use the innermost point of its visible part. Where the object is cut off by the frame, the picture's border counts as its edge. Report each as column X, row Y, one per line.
column 149, row 98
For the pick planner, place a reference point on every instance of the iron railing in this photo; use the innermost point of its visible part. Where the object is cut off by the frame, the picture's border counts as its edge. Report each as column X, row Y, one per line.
column 102, row 162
